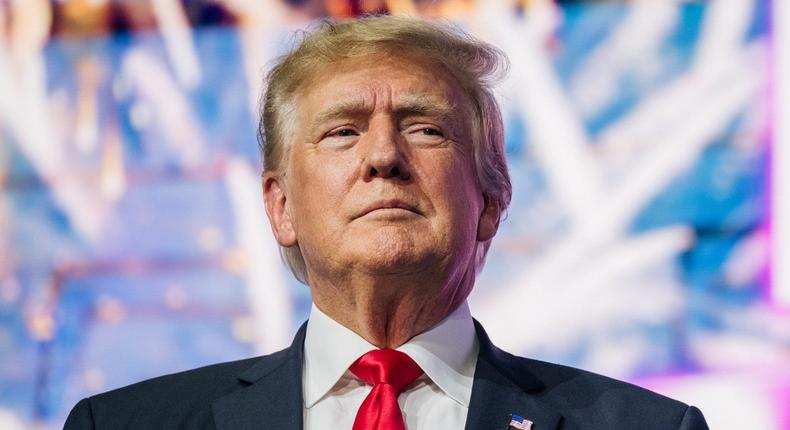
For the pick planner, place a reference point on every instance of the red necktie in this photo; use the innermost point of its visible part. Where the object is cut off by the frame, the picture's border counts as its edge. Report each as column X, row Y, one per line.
column 389, row 371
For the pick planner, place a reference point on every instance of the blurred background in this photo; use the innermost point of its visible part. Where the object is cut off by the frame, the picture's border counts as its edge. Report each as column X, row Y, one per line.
column 648, row 147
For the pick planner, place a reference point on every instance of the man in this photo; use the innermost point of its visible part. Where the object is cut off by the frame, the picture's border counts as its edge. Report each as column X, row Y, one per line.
column 384, row 182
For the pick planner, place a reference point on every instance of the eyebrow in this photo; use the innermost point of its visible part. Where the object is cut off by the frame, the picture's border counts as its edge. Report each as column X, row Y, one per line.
column 410, row 105
column 422, row 105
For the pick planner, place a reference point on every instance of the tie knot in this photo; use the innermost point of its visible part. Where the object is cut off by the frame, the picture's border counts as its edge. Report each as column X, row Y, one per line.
column 386, row 366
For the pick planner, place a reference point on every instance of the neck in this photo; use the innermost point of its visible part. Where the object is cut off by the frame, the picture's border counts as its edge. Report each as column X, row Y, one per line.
column 388, row 311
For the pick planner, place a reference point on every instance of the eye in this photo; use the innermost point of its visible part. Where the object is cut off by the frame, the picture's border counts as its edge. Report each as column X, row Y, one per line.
column 340, row 137
column 425, row 134
column 430, row 131
column 344, row 132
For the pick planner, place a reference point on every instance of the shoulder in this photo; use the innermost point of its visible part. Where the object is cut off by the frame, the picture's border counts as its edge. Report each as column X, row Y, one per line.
column 591, row 400
column 205, row 381
column 574, row 386
column 181, row 399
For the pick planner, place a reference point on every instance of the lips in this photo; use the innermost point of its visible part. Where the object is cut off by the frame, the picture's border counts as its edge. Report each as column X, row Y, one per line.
column 388, row 204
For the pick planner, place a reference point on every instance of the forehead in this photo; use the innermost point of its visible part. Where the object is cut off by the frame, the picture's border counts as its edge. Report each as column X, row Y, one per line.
column 377, row 82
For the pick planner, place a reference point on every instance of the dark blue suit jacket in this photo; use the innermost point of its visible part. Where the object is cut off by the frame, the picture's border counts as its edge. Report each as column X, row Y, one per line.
column 266, row 393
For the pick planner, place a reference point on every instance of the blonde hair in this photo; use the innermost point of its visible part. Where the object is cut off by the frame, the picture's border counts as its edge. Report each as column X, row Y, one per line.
column 475, row 66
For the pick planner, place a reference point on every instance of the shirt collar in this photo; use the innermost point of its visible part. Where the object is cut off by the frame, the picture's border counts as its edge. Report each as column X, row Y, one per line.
column 447, row 353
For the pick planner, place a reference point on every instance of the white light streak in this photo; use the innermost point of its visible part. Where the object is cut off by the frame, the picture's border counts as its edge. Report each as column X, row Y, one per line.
column 260, row 20
column 89, row 77
column 170, row 108
column 266, row 286
column 723, row 30
column 632, row 44
column 560, row 143
column 598, row 292
column 177, row 36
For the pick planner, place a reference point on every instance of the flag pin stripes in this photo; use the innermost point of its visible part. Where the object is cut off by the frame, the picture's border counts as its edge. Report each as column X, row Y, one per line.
column 519, row 423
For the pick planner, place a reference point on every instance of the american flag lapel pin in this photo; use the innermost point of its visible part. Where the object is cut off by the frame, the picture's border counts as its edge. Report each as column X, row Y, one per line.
column 519, row 423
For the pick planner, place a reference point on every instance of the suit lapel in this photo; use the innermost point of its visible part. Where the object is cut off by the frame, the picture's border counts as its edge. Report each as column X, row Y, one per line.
column 504, row 386
column 272, row 395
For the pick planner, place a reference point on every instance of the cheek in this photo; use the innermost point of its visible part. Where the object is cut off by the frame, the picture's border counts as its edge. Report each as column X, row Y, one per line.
column 320, row 185
column 468, row 202
column 455, row 192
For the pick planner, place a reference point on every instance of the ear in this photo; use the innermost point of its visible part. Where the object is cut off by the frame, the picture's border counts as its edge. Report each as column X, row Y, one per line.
column 488, row 223
column 274, row 199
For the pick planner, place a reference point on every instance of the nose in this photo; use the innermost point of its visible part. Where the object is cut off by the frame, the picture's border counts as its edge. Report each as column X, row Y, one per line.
column 384, row 157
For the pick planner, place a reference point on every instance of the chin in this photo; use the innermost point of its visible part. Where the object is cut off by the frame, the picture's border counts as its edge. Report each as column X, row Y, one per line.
column 392, row 265
column 392, row 253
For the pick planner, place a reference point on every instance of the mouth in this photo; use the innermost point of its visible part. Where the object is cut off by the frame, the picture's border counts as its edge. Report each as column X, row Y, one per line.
column 393, row 206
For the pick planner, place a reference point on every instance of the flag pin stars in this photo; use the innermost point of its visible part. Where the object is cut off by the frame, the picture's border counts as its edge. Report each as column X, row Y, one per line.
column 519, row 423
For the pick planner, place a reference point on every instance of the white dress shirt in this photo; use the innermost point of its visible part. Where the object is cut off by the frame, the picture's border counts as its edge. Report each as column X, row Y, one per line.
column 439, row 399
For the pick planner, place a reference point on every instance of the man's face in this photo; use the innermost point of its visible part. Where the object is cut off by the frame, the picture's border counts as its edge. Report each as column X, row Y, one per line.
column 380, row 177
